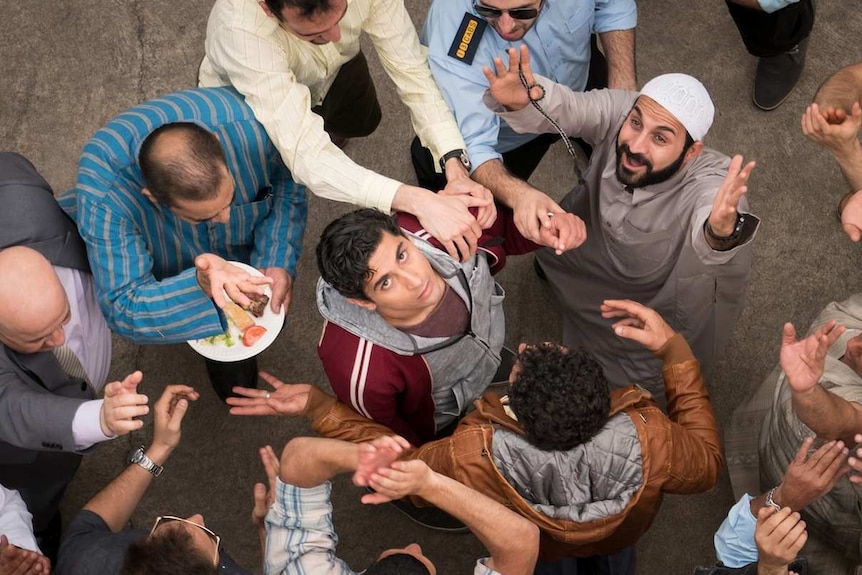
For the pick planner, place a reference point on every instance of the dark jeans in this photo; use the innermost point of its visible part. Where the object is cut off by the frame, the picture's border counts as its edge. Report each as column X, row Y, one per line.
column 622, row 563
column 523, row 160
column 767, row 35
column 350, row 108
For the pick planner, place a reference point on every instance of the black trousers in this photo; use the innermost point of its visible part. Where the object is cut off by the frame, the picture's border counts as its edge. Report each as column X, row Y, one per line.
column 523, row 160
column 350, row 108
column 767, row 35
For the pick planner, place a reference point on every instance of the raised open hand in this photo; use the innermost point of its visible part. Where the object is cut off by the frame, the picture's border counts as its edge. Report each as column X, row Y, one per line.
column 505, row 83
column 810, row 477
column 803, row 361
column 722, row 218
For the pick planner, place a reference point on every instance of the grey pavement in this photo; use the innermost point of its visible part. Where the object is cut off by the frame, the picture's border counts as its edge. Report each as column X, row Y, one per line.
column 69, row 66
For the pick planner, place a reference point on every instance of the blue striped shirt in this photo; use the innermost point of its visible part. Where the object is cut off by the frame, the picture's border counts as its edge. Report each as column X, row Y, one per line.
column 142, row 255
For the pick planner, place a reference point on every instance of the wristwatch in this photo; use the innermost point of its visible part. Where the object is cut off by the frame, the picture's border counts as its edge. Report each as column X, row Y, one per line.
column 460, row 154
column 770, row 502
column 734, row 235
column 137, row 456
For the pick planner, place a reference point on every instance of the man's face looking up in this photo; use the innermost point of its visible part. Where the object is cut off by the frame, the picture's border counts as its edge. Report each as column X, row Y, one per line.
column 499, row 14
column 403, row 287
column 319, row 28
column 651, row 145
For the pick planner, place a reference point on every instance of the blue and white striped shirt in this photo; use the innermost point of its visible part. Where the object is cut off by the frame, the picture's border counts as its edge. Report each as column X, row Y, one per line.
column 142, row 255
column 300, row 537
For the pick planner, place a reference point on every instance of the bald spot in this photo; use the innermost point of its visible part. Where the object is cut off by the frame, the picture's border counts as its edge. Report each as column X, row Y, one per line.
column 173, row 146
column 32, row 299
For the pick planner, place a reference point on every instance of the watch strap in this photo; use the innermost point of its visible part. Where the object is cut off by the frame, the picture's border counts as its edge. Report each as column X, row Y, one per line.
column 147, row 464
column 461, row 154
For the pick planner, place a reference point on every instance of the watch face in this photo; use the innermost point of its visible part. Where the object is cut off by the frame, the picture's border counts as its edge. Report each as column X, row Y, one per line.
column 136, row 455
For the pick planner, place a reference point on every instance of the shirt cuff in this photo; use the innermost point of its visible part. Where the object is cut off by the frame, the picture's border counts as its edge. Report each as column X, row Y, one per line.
column 734, row 540
column 378, row 192
column 770, row 6
column 86, row 425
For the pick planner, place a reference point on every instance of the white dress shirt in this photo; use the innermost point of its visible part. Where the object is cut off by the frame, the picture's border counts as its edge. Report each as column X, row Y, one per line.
column 283, row 77
column 16, row 523
column 88, row 336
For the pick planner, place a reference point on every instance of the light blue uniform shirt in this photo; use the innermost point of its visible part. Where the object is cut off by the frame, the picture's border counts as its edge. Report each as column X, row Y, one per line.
column 559, row 44
column 142, row 255
column 734, row 540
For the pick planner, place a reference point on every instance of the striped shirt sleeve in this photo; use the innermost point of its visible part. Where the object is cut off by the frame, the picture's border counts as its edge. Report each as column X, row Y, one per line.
column 300, row 537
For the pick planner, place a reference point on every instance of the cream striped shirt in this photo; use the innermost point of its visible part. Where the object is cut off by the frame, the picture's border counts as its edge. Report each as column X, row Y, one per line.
column 282, row 77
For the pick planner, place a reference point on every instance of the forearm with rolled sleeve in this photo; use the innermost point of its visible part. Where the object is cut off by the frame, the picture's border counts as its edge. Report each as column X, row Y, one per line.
column 394, row 36
column 278, row 239
column 258, row 70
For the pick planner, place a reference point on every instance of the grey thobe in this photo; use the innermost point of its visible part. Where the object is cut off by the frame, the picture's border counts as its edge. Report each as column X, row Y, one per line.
column 646, row 244
column 837, row 516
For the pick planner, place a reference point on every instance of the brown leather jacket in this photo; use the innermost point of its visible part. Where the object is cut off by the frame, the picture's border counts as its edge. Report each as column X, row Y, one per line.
column 681, row 453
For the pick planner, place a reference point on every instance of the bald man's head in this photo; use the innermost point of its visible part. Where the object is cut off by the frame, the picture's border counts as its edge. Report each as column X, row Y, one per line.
column 33, row 303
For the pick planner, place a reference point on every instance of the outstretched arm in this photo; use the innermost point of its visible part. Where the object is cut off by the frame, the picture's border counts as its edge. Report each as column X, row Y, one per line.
column 694, row 431
column 118, row 500
column 512, row 540
column 826, row 414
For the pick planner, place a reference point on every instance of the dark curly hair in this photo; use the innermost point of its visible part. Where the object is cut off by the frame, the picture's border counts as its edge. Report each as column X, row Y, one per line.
column 559, row 396
column 170, row 552
column 347, row 244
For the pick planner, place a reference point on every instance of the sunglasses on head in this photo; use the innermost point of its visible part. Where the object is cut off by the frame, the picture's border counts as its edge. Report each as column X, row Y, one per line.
column 517, row 13
column 165, row 519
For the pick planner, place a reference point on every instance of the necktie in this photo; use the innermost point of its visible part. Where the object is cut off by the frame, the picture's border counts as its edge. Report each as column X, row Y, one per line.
column 70, row 363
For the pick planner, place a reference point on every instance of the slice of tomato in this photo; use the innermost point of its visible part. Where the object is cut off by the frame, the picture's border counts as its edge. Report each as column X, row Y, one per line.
column 252, row 334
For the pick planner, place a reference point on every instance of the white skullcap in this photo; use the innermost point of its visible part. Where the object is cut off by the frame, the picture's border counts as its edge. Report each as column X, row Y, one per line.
column 685, row 98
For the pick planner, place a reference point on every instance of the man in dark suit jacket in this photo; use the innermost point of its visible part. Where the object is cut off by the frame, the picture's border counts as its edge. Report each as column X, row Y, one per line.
column 49, row 414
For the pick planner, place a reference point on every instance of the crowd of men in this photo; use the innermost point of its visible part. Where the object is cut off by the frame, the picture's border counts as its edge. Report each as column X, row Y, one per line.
column 648, row 258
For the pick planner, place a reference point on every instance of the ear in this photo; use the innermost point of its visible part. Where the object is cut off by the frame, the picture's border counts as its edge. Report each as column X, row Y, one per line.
column 150, row 196
column 364, row 303
column 694, row 151
column 266, row 9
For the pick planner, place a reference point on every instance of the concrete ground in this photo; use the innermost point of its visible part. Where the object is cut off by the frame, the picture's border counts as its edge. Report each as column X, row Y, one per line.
column 68, row 67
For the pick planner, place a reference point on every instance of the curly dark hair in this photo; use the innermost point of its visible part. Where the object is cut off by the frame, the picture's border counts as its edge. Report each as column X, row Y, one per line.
column 307, row 8
column 170, row 552
column 347, row 244
column 559, row 396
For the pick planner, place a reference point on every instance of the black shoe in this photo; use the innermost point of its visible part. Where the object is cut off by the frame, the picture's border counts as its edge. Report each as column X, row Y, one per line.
column 777, row 76
column 430, row 517
column 224, row 376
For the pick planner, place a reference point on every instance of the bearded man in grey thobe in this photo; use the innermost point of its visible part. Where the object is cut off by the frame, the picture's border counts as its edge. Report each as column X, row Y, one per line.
column 667, row 222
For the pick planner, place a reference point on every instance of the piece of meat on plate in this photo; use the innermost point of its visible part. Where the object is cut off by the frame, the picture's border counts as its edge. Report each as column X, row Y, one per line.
column 257, row 304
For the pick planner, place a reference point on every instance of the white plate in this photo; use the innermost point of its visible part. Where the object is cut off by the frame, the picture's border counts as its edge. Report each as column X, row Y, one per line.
column 271, row 321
